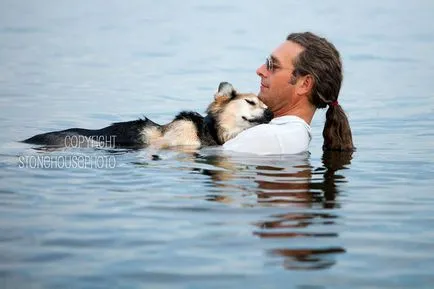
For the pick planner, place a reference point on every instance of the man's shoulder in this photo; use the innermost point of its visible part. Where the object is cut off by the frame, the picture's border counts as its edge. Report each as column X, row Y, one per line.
column 289, row 120
column 276, row 129
column 253, row 135
column 281, row 135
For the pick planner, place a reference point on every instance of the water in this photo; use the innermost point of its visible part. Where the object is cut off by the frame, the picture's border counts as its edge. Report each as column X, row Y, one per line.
column 206, row 219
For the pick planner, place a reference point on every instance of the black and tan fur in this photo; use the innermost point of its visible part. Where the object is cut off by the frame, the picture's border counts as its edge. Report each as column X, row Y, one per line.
column 229, row 114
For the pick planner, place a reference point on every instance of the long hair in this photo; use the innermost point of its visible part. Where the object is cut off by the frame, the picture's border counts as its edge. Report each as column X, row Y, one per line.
column 321, row 60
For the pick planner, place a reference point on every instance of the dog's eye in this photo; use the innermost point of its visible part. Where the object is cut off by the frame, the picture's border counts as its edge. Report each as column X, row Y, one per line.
column 250, row 102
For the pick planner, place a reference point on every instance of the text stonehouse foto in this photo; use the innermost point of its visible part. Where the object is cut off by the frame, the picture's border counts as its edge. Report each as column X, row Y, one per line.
column 67, row 162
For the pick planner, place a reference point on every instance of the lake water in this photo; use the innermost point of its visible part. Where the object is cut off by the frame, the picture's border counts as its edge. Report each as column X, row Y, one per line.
column 208, row 219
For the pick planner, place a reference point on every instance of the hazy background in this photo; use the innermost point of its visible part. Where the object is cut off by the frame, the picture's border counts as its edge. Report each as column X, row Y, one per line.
column 206, row 221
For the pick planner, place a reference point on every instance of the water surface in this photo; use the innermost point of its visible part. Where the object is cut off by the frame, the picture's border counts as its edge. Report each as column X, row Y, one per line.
column 209, row 219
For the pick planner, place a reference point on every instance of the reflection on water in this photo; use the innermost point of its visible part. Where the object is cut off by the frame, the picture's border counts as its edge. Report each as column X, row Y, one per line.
column 163, row 219
column 307, row 193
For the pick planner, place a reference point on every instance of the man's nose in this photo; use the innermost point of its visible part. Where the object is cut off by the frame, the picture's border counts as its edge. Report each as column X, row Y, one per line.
column 261, row 71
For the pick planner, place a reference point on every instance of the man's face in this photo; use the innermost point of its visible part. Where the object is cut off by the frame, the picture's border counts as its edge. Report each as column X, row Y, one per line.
column 277, row 92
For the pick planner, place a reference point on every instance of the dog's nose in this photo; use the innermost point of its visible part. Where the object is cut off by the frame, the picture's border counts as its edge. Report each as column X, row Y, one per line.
column 268, row 114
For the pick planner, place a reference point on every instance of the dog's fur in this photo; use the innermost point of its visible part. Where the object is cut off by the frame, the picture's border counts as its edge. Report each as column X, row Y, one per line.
column 229, row 114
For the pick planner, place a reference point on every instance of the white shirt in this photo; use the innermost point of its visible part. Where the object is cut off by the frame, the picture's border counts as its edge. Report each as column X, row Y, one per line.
column 283, row 135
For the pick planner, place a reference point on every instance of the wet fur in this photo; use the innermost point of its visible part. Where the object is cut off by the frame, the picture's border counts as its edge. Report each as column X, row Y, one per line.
column 187, row 129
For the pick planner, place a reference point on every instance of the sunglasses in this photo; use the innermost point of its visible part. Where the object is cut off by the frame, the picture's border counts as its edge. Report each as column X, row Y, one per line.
column 270, row 65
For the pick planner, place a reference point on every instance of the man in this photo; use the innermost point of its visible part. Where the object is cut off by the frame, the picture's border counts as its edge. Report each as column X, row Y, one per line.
column 302, row 74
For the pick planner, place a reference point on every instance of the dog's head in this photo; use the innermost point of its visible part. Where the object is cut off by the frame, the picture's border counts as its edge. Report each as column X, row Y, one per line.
column 234, row 112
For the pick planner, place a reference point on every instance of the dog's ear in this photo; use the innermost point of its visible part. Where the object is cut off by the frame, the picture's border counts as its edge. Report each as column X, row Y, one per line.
column 225, row 90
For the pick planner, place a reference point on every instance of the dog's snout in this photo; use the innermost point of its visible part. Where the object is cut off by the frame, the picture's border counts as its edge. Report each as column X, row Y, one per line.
column 268, row 115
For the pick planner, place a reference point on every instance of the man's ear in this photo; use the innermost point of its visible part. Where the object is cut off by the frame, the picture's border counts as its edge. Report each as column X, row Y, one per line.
column 305, row 83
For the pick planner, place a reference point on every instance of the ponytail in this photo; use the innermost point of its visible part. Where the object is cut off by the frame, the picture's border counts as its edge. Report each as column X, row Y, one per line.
column 337, row 132
column 321, row 59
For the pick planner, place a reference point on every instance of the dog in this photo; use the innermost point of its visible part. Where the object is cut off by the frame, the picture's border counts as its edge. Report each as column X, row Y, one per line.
column 229, row 114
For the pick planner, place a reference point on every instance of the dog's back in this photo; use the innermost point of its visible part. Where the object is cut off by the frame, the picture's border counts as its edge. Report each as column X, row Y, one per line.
column 228, row 115
column 120, row 134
